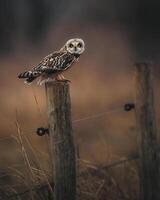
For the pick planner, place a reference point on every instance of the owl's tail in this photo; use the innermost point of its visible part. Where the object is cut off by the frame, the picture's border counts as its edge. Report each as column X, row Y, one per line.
column 29, row 76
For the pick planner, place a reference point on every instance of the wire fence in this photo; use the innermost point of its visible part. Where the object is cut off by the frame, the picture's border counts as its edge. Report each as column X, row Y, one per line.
column 118, row 109
column 13, row 137
column 9, row 172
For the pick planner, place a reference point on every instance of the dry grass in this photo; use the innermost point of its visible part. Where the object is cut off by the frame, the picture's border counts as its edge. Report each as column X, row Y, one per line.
column 32, row 180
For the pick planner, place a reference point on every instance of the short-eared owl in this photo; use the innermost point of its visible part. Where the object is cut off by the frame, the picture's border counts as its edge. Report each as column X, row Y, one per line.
column 53, row 65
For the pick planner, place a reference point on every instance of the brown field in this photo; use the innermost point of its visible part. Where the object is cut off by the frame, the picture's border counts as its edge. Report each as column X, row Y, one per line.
column 101, row 81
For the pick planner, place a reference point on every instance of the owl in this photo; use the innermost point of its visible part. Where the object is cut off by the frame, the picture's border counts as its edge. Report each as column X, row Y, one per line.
column 53, row 65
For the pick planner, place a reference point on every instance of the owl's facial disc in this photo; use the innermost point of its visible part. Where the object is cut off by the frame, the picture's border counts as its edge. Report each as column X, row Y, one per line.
column 75, row 46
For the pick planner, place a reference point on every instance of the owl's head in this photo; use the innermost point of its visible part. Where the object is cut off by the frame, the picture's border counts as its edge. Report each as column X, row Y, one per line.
column 75, row 46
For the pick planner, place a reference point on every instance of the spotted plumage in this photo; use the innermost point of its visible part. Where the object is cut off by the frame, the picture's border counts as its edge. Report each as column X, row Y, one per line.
column 53, row 65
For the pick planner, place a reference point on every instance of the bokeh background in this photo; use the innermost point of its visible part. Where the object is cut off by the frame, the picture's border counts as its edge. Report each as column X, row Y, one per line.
column 117, row 34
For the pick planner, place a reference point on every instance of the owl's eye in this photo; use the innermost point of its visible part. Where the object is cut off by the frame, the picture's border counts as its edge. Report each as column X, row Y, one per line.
column 79, row 45
column 70, row 45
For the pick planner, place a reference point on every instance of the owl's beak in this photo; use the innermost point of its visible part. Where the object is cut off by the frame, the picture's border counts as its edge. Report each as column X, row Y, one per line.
column 75, row 48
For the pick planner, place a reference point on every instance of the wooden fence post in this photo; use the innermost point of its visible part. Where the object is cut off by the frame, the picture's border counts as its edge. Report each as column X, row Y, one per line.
column 145, row 115
column 61, row 140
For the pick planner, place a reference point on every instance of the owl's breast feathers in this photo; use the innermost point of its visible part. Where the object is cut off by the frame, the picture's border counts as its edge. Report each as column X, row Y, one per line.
column 56, row 62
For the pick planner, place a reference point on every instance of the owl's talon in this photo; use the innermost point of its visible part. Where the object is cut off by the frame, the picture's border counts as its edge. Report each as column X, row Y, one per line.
column 66, row 80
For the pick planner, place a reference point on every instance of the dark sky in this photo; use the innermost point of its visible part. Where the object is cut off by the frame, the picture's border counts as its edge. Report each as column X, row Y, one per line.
column 31, row 19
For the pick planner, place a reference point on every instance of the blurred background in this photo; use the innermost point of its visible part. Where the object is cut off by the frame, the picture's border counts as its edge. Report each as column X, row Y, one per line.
column 117, row 34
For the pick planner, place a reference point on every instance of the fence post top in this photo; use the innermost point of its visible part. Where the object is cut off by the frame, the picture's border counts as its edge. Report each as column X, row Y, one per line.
column 57, row 83
column 63, row 82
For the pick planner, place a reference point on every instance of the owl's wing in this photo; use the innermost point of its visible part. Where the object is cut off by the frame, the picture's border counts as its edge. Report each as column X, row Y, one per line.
column 54, row 62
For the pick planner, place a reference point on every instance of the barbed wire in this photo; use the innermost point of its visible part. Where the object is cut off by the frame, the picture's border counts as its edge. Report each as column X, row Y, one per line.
column 98, row 115
column 90, row 117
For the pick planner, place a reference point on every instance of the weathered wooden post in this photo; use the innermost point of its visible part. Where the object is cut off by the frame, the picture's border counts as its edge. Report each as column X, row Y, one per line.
column 145, row 115
column 61, row 140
